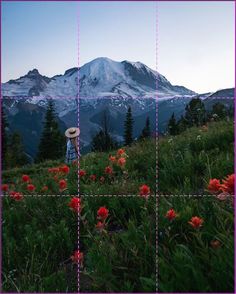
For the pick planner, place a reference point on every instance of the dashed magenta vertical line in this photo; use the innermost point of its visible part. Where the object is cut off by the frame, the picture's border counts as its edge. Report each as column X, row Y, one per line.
column 156, row 141
column 234, row 143
column 1, row 142
column 78, row 165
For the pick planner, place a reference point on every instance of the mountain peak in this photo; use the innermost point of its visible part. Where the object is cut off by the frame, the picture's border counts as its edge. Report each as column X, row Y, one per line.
column 33, row 72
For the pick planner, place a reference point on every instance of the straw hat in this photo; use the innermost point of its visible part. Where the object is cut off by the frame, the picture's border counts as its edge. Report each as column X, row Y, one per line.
column 72, row 132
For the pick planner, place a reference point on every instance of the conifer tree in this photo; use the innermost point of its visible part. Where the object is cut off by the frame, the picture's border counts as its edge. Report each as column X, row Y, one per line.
column 146, row 132
column 182, row 124
column 173, row 126
column 16, row 154
column 195, row 114
column 220, row 110
column 128, row 126
column 4, row 139
column 52, row 142
column 103, row 141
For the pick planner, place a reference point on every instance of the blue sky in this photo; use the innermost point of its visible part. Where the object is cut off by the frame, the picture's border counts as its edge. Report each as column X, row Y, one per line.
column 196, row 44
column 195, row 40
column 42, row 35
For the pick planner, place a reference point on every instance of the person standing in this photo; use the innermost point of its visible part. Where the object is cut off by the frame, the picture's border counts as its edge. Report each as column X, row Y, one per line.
column 72, row 149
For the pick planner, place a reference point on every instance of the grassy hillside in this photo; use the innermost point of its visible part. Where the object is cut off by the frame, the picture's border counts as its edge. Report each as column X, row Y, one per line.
column 39, row 236
column 185, row 164
column 188, row 161
column 118, row 234
column 139, row 169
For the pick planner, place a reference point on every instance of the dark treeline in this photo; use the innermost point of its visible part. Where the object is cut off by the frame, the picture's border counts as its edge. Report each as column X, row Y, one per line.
column 51, row 146
column 197, row 115
column 103, row 140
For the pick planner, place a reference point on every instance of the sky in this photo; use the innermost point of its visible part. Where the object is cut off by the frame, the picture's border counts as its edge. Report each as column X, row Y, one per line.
column 195, row 41
column 42, row 35
column 196, row 44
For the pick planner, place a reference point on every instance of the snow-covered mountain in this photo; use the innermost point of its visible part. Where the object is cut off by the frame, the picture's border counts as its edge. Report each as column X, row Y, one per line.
column 102, row 77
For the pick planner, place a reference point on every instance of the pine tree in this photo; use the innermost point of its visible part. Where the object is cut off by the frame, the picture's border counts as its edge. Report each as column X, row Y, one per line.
column 182, row 124
column 52, row 142
column 195, row 114
column 4, row 139
column 16, row 154
column 173, row 126
column 128, row 126
column 146, row 132
column 219, row 110
column 103, row 141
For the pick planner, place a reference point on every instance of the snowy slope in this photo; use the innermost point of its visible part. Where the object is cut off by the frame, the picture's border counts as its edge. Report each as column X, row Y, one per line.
column 102, row 77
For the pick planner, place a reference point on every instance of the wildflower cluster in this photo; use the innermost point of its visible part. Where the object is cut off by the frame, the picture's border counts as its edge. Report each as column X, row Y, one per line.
column 26, row 185
column 222, row 190
column 196, row 222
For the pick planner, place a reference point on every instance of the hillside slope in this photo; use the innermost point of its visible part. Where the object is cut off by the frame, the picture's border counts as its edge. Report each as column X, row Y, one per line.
column 186, row 163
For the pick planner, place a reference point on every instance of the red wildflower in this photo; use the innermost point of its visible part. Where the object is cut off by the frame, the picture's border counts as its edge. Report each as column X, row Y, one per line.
column 30, row 188
column 93, row 177
column 196, row 222
column 53, row 170
column 62, row 184
column 228, row 184
column 75, row 204
column 112, row 158
column 108, row 170
column 102, row 213
column 120, row 152
column 25, row 178
column 75, row 162
column 77, row 256
column 45, row 188
column 55, row 178
column 100, row 225
column 144, row 191
column 215, row 244
column 171, row 214
column 121, row 161
column 82, row 173
column 102, row 179
column 214, row 186
column 5, row 187
column 16, row 195
column 65, row 169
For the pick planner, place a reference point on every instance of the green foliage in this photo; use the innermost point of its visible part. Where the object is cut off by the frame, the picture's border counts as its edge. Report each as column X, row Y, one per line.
column 120, row 258
column 40, row 177
column 39, row 235
column 103, row 141
column 4, row 139
column 15, row 155
column 219, row 111
column 188, row 161
column 187, row 262
column 128, row 127
column 173, row 126
column 52, row 142
column 146, row 132
column 140, row 159
column 195, row 114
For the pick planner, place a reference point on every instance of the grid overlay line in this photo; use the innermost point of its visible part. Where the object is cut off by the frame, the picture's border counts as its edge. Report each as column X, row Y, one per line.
column 156, row 141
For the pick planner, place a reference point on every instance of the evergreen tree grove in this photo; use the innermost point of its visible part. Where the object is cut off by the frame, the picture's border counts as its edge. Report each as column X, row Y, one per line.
column 128, row 126
column 52, row 142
